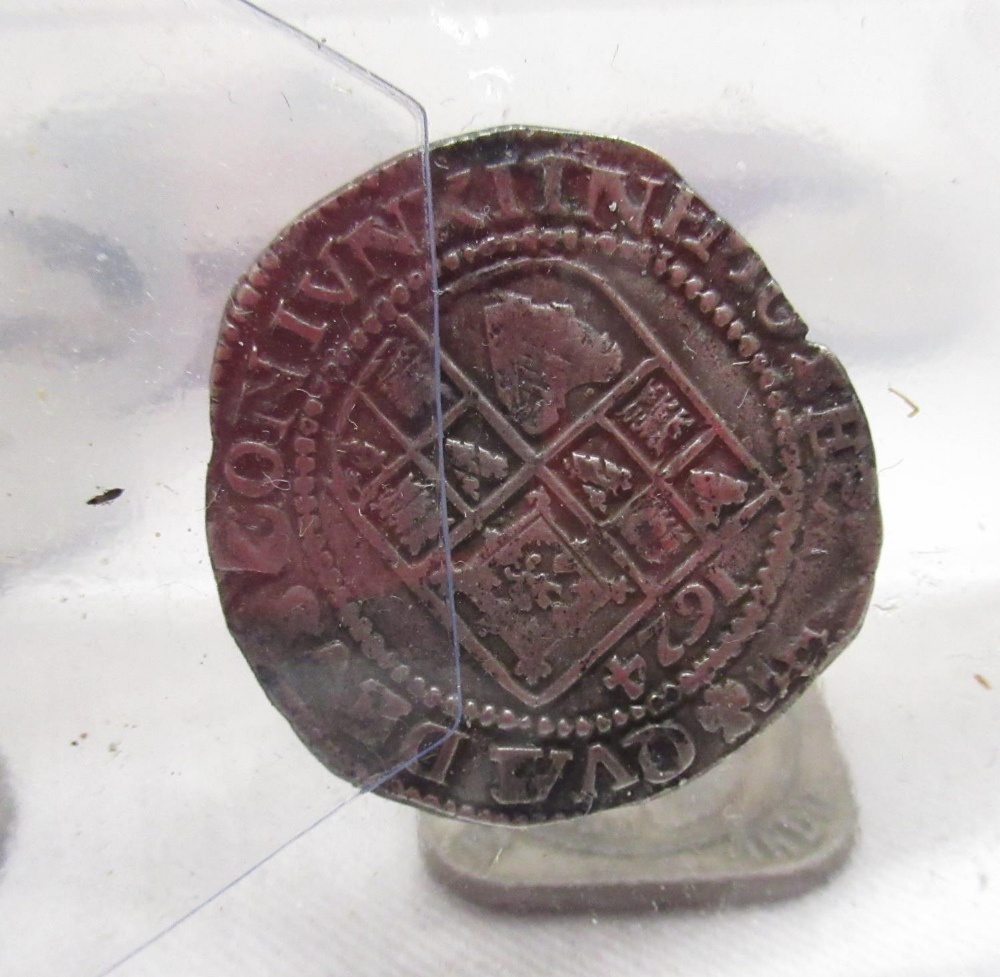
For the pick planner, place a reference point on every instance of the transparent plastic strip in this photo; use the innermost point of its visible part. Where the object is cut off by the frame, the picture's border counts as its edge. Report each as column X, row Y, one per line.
column 419, row 112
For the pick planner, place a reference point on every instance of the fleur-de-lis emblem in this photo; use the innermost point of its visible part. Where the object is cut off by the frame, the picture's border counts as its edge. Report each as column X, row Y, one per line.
column 531, row 587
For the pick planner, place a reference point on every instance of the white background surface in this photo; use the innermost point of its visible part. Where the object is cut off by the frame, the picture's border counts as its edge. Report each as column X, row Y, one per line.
column 856, row 145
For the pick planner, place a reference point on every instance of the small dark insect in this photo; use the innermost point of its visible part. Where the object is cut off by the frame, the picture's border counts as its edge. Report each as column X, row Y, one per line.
column 105, row 497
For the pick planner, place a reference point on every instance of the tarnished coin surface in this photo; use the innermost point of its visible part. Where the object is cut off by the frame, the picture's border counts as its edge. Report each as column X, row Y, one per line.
column 661, row 498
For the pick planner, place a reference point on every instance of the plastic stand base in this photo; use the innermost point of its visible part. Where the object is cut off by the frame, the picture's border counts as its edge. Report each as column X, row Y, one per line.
column 770, row 822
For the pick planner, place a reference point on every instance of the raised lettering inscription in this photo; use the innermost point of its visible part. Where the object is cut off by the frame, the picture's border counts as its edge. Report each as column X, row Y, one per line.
column 689, row 223
column 651, row 483
column 255, row 538
column 834, row 430
column 609, row 187
column 329, row 282
column 526, row 775
column 376, row 711
column 378, row 235
column 601, row 760
column 665, row 751
column 436, row 764
column 254, row 469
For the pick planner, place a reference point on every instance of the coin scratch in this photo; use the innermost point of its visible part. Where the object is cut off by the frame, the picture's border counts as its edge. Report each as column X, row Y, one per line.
column 914, row 408
column 281, row 484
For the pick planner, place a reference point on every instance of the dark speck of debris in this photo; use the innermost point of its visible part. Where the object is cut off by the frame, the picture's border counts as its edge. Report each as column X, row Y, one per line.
column 105, row 497
column 983, row 681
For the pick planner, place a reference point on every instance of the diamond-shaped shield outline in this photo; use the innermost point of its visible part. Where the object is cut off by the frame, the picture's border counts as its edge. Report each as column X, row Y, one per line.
column 414, row 575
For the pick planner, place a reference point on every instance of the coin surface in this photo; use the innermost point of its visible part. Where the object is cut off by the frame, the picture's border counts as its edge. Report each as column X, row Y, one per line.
column 661, row 498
